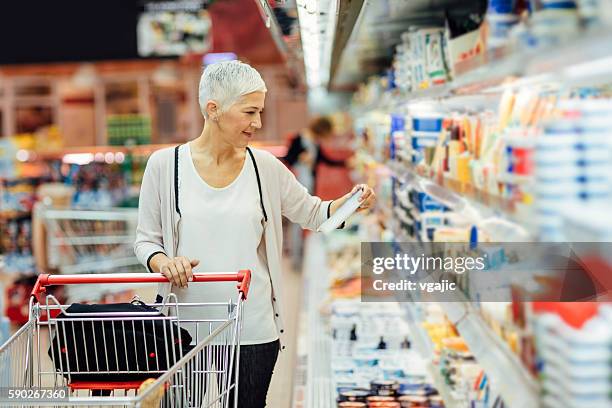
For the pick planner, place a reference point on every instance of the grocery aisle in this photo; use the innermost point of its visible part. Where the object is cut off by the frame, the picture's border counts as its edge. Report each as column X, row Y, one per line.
column 482, row 277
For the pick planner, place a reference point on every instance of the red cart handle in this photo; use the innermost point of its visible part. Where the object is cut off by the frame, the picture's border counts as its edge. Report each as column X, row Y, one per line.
column 44, row 280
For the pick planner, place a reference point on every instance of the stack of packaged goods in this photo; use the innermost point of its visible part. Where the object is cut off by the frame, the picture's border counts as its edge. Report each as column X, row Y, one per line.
column 127, row 130
column 373, row 361
column 574, row 343
column 376, row 361
column 573, row 164
column 17, row 197
column 524, row 161
column 542, row 156
column 528, row 25
column 506, row 156
column 451, row 358
column 421, row 60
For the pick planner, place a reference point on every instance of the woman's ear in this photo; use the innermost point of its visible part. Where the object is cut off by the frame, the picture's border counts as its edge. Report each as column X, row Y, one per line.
column 213, row 110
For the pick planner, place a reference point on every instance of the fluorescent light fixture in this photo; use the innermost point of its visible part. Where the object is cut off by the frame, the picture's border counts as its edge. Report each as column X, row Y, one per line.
column 78, row 158
column 308, row 14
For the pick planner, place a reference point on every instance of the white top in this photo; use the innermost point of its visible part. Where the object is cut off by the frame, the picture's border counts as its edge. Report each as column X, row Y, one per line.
column 159, row 217
column 223, row 228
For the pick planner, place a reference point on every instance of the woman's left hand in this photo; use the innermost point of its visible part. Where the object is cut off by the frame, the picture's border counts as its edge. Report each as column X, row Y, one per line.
column 367, row 199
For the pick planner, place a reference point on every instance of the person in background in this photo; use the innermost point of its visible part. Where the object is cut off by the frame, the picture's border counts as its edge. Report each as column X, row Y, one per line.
column 305, row 152
column 304, row 156
column 215, row 204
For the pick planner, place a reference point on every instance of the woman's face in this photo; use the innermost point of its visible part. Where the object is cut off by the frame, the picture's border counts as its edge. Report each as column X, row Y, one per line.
column 240, row 122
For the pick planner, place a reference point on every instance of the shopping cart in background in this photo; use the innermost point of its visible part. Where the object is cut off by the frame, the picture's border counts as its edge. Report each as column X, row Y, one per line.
column 201, row 374
column 91, row 241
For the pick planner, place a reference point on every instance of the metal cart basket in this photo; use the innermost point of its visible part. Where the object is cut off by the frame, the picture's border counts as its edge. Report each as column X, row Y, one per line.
column 201, row 374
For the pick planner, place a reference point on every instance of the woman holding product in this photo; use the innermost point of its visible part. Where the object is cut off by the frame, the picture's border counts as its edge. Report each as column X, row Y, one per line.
column 215, row 204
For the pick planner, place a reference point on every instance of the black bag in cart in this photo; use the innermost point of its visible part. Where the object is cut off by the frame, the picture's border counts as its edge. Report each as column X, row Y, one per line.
column 106, row 348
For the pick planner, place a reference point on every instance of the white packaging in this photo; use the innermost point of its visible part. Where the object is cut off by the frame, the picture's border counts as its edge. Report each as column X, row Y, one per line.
column 342, row 213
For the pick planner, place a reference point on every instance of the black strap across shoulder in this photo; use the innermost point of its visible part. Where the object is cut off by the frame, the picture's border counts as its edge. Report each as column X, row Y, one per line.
column 176, row 179
column 258, row 184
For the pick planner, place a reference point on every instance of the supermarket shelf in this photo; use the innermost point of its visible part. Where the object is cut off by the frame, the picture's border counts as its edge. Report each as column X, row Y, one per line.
column 494, row 202
column 496, row 358
column 320, row 392
column 481, row 203
column 501, row 365
column 425, row 348
column 590, row 62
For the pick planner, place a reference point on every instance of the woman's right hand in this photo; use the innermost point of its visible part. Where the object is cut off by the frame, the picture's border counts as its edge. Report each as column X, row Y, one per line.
column 178, row 270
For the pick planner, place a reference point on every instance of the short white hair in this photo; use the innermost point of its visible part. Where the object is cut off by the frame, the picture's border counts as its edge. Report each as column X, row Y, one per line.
column 225, row 82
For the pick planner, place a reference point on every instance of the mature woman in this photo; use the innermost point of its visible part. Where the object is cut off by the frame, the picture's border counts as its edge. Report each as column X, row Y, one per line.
column 214, row 204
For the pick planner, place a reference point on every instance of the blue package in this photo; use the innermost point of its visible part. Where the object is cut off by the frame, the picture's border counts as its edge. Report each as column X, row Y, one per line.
column 427, row 124
column 501, row 6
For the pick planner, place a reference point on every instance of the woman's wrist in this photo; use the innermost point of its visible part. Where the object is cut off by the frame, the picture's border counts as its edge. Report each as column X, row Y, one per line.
column 337, row 203
column 157, row 261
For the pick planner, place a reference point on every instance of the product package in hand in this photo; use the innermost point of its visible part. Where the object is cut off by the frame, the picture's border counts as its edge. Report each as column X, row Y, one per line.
column 342, row 213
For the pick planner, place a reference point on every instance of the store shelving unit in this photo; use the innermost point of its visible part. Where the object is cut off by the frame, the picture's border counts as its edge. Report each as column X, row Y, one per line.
column 507, row 372
column 476, row 203
column 314, row 340
column 578, row 61
column 425, row 348
column 503, row 367
column 585, row 60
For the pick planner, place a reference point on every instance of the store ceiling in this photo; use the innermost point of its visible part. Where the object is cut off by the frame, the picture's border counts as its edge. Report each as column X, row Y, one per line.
column 367, row 32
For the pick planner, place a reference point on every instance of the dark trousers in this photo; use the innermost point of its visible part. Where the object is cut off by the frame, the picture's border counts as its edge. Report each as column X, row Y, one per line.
column 257, row 363
column 256, row 366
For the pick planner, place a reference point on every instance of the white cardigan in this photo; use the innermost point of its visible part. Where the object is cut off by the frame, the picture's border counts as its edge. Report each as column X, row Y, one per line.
column 282, row 194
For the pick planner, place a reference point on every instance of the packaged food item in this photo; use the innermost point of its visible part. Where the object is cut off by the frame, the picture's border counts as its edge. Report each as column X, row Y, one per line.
column 384, row 388
column 436, row 68
column 355, row 395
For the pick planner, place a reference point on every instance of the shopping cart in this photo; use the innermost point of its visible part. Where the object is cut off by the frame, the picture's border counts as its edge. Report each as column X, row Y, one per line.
column 203, row 375
column 91, row 241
